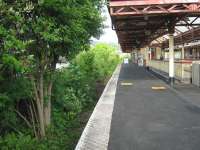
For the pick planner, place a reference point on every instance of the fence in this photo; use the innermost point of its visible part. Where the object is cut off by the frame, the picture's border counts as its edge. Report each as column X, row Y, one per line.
column 182, row 68
column 196, row 74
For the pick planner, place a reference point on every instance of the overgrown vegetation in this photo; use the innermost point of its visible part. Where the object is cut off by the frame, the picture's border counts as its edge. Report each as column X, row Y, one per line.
column 42, row 107
column 74, row 93
column 33, row 35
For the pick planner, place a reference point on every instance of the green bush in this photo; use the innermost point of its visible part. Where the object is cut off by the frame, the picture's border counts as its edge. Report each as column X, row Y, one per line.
column 106, row 59
column 18, row 142
column 74, row 92
column 99, row 62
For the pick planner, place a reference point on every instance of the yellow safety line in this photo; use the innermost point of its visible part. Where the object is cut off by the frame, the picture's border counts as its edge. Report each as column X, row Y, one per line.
column 159, row 88
column 126, row 83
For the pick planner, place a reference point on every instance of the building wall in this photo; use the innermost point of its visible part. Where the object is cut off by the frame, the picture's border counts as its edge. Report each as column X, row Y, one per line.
column 177, row 54
column 158, row 53
column 192, row 53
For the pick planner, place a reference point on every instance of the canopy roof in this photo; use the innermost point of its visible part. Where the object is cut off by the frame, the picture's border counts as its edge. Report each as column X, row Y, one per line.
column 139, row 22
column 183, row 38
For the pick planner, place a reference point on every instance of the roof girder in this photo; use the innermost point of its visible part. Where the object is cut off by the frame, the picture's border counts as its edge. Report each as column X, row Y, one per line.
column 139, row 22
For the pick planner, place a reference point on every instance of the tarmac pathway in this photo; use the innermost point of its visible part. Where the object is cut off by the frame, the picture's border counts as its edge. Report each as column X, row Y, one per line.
column 147, row 119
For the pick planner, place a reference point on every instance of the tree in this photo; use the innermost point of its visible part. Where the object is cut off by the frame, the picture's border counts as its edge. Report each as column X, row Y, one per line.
column 36, row 33
column 106, row 58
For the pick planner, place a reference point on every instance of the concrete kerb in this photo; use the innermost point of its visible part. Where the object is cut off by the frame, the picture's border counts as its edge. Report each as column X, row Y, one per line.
column 97, row 131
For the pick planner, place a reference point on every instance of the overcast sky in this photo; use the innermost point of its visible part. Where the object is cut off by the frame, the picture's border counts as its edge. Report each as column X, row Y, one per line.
column 109, row 36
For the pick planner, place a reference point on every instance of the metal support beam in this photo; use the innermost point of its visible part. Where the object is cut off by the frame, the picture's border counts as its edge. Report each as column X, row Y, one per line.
column 150, row 56
column 121, row 8
column 147, row 57
column 114, row 3
column 188, row 25
column 138, row 23
column 183, row 52
column 171, row 59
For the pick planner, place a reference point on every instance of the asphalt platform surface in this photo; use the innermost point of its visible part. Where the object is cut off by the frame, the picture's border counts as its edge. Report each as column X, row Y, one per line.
column 147, row 119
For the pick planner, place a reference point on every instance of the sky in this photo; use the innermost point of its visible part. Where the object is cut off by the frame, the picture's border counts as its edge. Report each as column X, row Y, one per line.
column 109, row 35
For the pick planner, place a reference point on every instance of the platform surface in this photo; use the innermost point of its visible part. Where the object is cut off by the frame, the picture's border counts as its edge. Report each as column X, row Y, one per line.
column 145, row 118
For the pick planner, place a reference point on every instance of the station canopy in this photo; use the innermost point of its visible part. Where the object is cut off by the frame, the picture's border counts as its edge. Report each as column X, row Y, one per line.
column 139, row 23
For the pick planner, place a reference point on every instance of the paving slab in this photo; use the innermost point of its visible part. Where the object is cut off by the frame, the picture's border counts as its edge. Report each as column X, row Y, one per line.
column 146, row 118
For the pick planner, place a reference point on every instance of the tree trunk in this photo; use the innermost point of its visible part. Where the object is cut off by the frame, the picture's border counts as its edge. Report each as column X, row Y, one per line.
column 47, row 107
column 47, row 114
column 43, row 91
column 39, row 98
column 41, row 104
